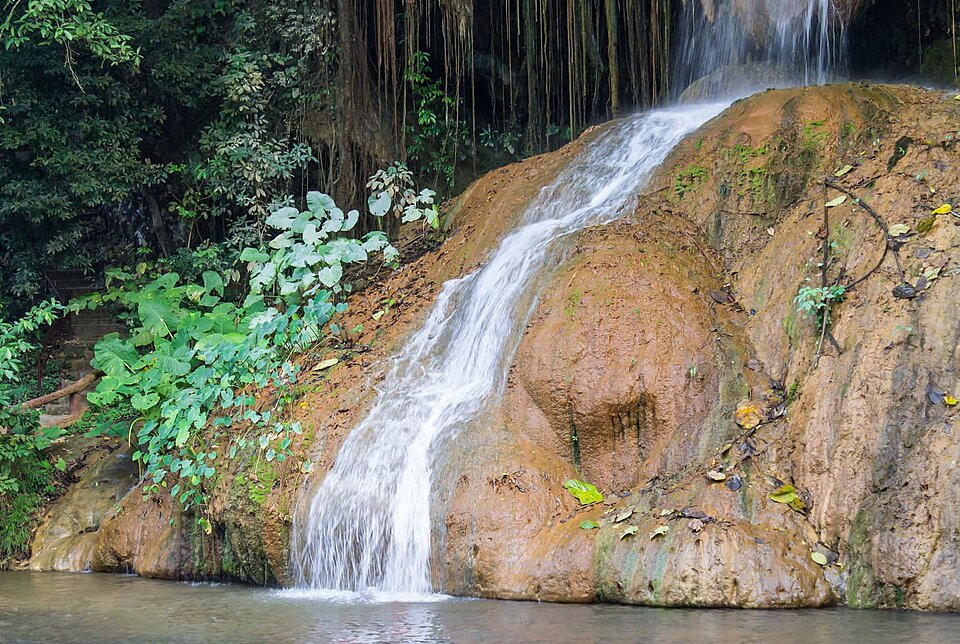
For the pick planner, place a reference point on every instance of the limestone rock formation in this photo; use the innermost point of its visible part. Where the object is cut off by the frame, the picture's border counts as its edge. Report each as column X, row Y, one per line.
column 651, row 339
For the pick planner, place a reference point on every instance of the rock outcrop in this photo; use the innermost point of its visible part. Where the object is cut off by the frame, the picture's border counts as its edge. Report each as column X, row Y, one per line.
column 744, row 461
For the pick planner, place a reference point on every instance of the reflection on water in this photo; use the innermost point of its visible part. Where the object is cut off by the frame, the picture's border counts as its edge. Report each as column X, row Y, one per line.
column 107, row 608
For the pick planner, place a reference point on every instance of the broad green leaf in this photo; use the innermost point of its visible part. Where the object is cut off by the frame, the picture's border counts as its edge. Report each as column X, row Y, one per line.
column 330, row 275
column 283, row 218
column 254, row 255
column 587, row 524
column 143, row 402
column 158, row 317
column 584, row 492
column 171, row 365
column 352, row 218
column 319, row 203
column 114, row 356
column 310, row 236
column 379, row 204
column 212, row 282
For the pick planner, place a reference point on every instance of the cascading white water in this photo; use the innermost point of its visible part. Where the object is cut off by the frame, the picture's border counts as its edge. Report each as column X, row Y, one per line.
column 368, row 524
column 759, row 44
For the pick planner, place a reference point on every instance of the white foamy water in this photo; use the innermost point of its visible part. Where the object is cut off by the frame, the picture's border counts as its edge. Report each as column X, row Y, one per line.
column 367, row 526
column 794, row 42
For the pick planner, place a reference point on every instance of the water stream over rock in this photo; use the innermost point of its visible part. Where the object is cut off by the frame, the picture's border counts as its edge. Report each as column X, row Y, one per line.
column 367, row 526
column 369, row 523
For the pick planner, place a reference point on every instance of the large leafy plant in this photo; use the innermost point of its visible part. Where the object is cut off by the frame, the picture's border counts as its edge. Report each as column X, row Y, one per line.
column 392, row 191
column 195, row 359
column 24, row 467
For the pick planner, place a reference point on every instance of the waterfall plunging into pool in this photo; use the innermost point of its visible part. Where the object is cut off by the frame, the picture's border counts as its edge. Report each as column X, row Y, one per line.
column 367, row 525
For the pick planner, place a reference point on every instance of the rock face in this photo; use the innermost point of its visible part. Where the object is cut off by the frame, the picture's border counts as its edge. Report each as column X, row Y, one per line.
column 67, row 537
column 657, row 328
column 667, row 363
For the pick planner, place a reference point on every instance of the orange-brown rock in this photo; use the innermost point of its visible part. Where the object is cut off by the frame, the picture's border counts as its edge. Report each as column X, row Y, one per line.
column 647, row 337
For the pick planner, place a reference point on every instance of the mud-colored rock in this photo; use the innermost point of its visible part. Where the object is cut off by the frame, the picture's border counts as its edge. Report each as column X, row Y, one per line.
column 647, row 336
column 66, row 539
column 872, row 457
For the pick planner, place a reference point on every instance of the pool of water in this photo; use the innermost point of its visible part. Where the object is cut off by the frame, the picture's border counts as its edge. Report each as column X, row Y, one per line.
column 91, row 607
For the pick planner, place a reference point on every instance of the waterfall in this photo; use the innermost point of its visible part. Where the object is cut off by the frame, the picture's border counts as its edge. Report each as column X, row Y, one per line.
column 366, row 527
column 368, row 524
column 739, row 47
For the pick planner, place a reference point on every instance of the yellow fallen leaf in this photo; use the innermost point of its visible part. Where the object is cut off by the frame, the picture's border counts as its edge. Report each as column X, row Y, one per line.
column 819, row 558
column 945, row 209
column 748, row 415
column 833, row 203
column 842, row 171
column 950, row 400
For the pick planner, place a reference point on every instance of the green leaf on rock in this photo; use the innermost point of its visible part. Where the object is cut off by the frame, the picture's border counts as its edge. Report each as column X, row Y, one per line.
column 584, row 492
column 785, row 494
column 819, row 558
column 587, row 524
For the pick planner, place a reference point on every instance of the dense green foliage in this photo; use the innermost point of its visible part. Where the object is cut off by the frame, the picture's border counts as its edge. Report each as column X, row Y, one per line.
column 194, row 358
column 24, row 467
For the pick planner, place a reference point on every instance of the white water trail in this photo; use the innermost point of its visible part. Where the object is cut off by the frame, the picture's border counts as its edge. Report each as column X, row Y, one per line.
column 367, row 527
column 742, row 47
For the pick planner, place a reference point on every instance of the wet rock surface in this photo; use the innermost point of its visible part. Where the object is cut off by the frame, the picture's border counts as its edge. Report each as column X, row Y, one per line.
column 67, row 537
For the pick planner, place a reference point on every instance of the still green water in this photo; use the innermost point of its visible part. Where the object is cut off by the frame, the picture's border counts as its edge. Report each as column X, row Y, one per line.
column 114, row 608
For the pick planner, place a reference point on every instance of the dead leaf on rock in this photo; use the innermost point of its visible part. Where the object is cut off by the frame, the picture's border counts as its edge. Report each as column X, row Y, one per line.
column 819, row 558
column 905, row 291
column 898, row 230
column 623, row 516
column 833, row 203
column 734, row 483
column 842, row 171
column 659, row 532
column 720, row 297
column 715, row 475
column 630, row 531
column 748, row 415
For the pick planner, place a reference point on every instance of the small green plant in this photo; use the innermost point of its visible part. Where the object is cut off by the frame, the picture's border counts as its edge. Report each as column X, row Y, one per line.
column 814, row 135
column 817, row 300
column 689, row 179
column 392, row 191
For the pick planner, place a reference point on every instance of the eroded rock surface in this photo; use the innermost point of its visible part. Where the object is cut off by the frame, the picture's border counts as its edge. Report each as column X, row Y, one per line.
column 648, row 337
